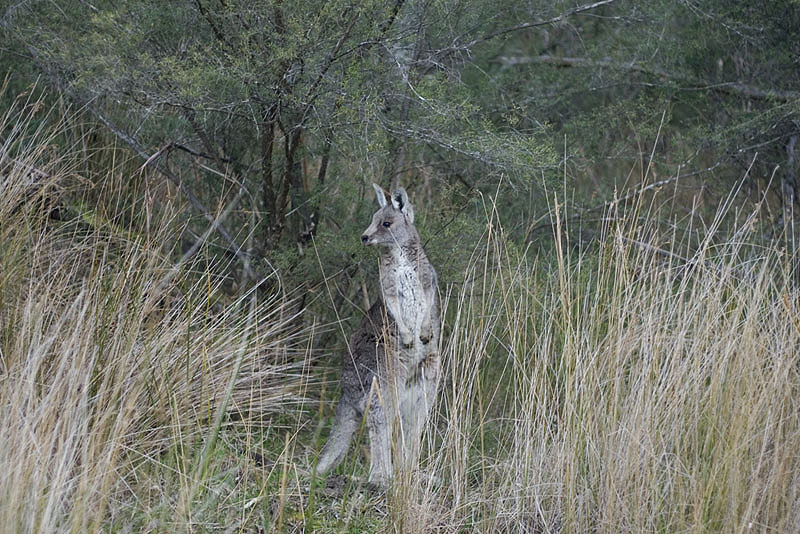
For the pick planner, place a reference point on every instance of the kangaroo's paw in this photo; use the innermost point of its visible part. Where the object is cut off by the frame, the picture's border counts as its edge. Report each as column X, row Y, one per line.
column 426, row 334
column 406, row 338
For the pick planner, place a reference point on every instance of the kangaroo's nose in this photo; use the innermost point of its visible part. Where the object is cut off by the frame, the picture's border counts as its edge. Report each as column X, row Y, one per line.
column 364, row 238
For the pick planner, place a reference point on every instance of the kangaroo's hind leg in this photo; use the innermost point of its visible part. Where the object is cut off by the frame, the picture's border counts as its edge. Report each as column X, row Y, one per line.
column 417, row 406
column 380, row 411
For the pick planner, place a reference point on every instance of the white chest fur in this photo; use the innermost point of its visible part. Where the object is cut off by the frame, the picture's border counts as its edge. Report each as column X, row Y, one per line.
column 403, row 294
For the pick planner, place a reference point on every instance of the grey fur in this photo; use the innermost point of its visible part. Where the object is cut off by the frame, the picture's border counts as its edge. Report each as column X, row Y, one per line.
column 393, row 364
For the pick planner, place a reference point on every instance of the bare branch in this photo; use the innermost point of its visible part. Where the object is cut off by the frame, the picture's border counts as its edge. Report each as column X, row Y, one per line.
column 214, row 28
column 535, row 226
column 178, row 146
column 526, row 25
column 311, row 95
column 215, row 222
column 201, row 240
column 732, row 88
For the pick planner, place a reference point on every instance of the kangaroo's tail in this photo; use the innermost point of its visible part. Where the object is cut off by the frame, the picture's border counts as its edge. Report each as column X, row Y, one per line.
column 344, row 426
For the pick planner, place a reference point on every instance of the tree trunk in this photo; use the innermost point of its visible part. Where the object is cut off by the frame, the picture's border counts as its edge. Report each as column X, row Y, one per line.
column 268, row 196
column 789, row 197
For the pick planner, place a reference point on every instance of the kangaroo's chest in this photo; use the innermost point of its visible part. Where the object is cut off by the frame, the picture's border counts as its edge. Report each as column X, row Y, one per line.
column 403, row 292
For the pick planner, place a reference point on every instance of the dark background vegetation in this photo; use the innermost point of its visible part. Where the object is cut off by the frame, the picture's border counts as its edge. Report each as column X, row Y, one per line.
column 265, row 121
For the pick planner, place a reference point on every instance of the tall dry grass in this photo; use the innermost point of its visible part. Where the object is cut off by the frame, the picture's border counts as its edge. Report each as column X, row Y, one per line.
column 642, row 384
column 629, row 388
column 119, row 373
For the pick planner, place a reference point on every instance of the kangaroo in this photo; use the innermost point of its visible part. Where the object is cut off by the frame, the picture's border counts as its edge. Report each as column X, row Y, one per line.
column 392, row 366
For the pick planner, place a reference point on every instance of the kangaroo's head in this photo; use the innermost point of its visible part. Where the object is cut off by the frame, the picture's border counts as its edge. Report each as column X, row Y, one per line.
column 393, row 223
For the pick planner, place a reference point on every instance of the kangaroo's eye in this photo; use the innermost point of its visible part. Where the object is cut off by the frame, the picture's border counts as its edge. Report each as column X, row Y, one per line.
column 387, row 224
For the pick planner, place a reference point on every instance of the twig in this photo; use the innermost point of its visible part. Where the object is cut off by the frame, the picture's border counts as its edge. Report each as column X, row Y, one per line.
column 151, row 159
column 732, row 88
column 654, row 185
column 203, row 238
column 198, row 243
column 536, row 226
column 526, row 25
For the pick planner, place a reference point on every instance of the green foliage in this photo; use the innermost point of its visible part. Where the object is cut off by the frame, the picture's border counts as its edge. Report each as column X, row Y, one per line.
column 303, row 105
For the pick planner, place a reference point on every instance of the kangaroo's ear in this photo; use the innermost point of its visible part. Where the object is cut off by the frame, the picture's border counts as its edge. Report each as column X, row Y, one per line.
column 400, row 202
column 381, row 195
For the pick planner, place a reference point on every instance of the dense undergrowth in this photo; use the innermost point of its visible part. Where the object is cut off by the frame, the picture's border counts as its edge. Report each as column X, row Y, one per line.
column 635, row 385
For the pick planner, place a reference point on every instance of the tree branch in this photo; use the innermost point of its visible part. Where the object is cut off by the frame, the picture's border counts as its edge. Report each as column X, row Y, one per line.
column 214, row 28
column 311, row 95
column 200, row 241
column 535, row 226
column 150, row 159
column 732, row 88
column 526, row 25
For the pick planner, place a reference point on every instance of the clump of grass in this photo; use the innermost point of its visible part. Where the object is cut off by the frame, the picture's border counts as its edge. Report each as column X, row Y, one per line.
column 120, row 373
column 621, row 388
